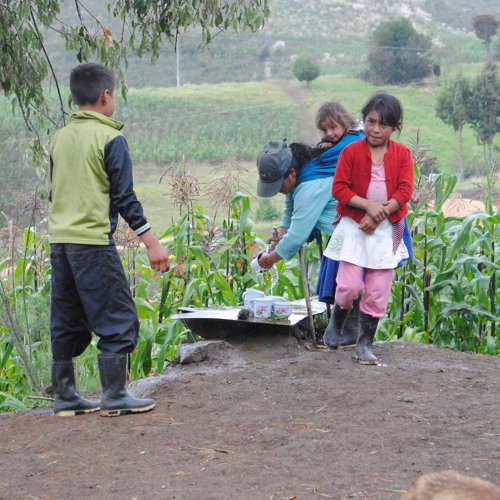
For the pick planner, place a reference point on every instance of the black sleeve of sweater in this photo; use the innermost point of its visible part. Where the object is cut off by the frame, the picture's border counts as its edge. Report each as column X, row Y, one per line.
column 51, row 167
column 118, row 165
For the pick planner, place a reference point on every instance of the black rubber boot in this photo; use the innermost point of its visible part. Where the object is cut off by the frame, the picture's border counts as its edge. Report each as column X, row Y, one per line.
column 332, row 337
column 351, row 331
column 368, row 325
column 67, row 402
column 115, row 398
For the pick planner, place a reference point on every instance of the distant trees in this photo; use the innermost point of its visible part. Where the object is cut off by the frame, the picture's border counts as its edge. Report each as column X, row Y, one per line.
column 484, row 108
column 451, row 107
column 399, row 54
column 476, row 103
column 485, row 26
column 266, row 211
column 306, row 70
column 25, row 61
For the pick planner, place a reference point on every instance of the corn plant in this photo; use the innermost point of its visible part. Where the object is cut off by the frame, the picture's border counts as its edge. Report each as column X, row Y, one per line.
column 448, row 294
column 24, row 311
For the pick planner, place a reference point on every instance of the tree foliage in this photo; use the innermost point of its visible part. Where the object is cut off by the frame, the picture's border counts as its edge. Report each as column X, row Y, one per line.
column 476, row 103
column 484, row 107
column 266, row 211
column 399, row 55
column 451, row 107
column 144, row 26
column 485, row 26
column 306, row 70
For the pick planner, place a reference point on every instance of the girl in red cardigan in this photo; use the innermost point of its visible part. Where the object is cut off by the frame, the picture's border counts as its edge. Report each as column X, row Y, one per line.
column 373, row 183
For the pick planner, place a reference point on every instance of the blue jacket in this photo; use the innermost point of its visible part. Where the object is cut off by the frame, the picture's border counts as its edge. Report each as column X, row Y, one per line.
column 325, row 164
column 311, row 205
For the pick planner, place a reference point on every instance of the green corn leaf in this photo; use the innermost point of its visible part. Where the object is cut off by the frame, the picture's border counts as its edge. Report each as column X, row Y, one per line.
column 463, row 238
column 471, row 260
column 190, row 290
column 244, row 200
column 6, row 355
column 201, row 256
column 144, row 308
column 11, row 402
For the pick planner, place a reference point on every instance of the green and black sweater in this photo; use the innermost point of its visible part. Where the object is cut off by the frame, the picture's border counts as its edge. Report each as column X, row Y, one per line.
column 91, row 177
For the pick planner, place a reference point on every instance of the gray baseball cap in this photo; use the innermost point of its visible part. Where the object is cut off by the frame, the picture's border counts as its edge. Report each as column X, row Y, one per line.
column 273, row 162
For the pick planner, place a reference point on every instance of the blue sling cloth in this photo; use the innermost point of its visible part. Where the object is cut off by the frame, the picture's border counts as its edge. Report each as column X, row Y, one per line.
column 325, row 164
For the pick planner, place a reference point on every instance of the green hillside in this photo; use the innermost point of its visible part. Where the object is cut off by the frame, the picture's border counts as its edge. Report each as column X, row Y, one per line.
column 208, row 123
column 207, row 147
column 334, row 33
column 209, row 131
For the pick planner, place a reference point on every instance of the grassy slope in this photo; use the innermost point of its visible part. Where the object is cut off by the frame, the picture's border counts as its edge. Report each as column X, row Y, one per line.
column 210, row 101
column 419, row 119
column 242, row 117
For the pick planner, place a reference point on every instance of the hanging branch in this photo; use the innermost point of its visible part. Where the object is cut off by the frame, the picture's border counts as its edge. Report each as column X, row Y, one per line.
column 49, row 62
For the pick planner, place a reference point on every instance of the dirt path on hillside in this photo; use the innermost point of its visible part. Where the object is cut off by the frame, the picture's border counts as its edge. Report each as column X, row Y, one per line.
column 309, row 134
column 267, row 419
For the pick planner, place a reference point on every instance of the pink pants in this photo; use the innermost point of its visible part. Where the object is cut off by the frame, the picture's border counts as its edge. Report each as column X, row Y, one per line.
column 376, row 285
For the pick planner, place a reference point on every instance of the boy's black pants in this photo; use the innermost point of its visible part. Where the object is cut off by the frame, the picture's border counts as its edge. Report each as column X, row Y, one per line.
column 90, row 293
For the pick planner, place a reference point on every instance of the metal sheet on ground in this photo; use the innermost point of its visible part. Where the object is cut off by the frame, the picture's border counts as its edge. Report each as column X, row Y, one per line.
column 223, row 321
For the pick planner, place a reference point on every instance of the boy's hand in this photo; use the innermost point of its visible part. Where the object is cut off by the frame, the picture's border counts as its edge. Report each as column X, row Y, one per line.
column 158, row 257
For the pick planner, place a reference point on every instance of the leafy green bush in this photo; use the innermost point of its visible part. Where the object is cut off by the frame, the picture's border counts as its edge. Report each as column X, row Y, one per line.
column 266, row 211
column 399, row 54
column 306, row 70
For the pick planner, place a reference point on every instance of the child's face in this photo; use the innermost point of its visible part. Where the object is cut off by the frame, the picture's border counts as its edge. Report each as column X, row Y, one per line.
column 377, row 132
column 332, row 130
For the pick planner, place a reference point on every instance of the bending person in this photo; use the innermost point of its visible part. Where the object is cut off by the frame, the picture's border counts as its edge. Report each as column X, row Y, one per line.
column 305, row 176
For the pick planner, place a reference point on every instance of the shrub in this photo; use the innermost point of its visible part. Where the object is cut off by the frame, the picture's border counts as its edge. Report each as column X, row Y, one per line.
column 305, row 69
column 266, row 211
column 399, row 55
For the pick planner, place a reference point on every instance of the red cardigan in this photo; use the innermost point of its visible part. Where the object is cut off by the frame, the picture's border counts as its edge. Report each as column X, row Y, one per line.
column 353, row 176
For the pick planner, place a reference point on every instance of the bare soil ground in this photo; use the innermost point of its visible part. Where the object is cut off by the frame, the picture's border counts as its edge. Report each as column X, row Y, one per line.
column 270, row 418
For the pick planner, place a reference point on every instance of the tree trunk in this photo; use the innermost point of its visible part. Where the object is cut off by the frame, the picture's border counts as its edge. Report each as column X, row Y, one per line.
column 461, row 173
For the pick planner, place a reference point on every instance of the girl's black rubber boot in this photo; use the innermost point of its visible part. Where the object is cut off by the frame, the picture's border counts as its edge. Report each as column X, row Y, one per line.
column 332, row 337
column 368, row 325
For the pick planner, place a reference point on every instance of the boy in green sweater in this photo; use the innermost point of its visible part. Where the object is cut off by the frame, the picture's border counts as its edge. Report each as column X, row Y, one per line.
column 91, row 180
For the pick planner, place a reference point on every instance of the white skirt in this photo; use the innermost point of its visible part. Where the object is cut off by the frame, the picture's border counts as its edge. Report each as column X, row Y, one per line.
column 373, row 251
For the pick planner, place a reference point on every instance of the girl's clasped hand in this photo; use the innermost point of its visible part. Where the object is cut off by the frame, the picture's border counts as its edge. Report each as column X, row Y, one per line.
column 376, row 212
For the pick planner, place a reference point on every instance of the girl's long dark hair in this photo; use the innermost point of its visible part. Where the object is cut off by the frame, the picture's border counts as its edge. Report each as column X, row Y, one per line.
column 388, row 107
column 302, row 153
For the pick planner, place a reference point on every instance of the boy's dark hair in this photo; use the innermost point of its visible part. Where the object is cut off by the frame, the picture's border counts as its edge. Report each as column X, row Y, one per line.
column 88, row 81
column 334, row 110
column 388, row 107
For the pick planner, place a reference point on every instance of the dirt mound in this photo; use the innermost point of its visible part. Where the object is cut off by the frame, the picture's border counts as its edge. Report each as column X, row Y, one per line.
column 282, row 422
